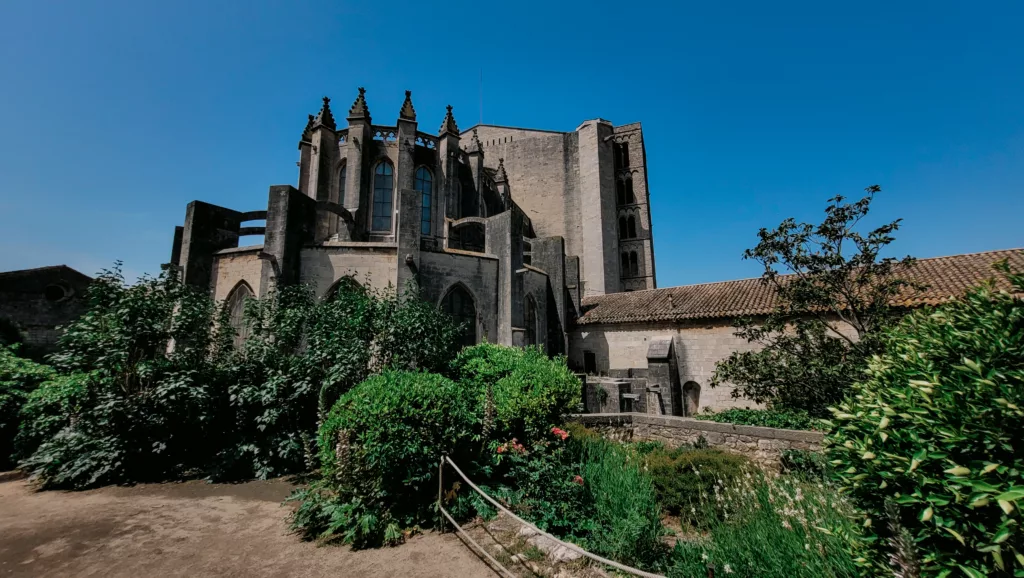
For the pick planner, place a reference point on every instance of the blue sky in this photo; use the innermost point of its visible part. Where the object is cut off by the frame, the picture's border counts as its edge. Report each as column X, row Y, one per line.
column 115, row 114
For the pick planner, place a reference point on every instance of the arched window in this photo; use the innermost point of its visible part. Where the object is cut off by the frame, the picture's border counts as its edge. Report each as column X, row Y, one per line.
column 235, row 304
column 343, row 285
column 630, row 197
column 691, row 398
column 625, row 264
column 620, row 191
column 459, row 304
column 425, row 185
column 634, row 267
column 530, row 320
column 622, row 227
column 631, row 227
column 342, row 174
column 383, row 191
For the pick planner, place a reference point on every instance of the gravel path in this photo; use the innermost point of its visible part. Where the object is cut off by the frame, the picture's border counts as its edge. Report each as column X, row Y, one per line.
column 193, row 529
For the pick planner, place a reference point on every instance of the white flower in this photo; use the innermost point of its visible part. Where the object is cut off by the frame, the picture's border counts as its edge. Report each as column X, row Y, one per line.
column 807, row 546
column 704, row 556
column 727, row 568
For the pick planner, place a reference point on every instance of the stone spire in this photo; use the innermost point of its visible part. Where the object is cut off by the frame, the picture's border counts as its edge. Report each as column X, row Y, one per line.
column 475, row 146
column 500, row 176
column 448, row 124
column 307, row 133
column 407, row 112
column 359, row 109
column 324, row 117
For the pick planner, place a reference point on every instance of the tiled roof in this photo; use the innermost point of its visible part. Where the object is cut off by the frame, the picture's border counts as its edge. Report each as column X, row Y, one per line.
column 945, row 278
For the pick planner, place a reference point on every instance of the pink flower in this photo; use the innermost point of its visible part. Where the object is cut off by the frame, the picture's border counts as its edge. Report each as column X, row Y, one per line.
column 578, row 480
column 561, row 433
column 501, row 449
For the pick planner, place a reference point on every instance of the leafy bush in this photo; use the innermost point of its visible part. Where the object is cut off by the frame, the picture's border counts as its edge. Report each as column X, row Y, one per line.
column 683, row 478
column 19, row 377
column 766, row 527
column 379, row 451
column 935, row 431
column 766, row 418
column 530, row 391
column 806, row 465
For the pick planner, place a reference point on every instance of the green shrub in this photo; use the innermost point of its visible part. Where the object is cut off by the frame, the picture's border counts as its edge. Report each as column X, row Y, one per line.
column 530, row 391
column 684, row 478
column 936, row 429
column 806, row 465
column 766, row 418
column 379, row 452
column 766, row 527
column 50, row 408
column 19, row 377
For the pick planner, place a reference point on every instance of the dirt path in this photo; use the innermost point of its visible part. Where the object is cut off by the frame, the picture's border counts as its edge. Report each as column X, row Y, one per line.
column 193, row 529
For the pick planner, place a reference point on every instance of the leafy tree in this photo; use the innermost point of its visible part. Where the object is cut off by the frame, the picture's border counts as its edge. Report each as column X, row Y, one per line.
column 19, row 377
column 833, row 293
column 928, row 447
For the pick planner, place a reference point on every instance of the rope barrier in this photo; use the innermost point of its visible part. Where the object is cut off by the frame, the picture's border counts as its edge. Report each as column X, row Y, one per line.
column 569, row 545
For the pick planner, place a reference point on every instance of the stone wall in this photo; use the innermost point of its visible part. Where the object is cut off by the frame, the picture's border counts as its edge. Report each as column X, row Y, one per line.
column 764, row 445
column 232, row 266
column 371, row 264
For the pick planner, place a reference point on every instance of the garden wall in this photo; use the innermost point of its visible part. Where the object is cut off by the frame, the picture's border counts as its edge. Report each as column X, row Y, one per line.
column 764, row 445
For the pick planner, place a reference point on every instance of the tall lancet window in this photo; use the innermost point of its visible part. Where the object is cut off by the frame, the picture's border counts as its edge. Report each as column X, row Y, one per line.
column 235, row 304
column 342, row 174
column 425, row 184
column 383, row 191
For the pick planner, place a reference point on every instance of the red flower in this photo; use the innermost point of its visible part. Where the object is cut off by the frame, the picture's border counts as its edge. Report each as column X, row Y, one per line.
column 561, row 433
column 501, row 449
column 578, row 480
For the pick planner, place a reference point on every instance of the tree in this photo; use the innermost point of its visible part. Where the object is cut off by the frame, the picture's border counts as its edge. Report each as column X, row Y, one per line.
column 834, row 292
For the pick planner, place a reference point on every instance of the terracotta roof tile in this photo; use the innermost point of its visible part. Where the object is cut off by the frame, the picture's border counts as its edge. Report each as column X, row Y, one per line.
column 945, row 278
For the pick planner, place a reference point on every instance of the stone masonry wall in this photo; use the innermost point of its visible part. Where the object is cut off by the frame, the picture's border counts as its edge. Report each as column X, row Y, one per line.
column 230, row 266
column 763, row 445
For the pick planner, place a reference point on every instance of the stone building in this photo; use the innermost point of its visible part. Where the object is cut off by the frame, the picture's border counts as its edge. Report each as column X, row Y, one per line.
column 508, row 229
column 655, row 351
column 34, row 303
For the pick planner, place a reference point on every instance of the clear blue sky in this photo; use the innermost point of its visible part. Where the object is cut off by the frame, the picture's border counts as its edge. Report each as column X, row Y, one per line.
column 115, row 114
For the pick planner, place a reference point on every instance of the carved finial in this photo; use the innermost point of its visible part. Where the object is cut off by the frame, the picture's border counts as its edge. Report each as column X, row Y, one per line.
column 307, row 133
column 325, row 118
column 475, row 146
column 359, row 109
column 500, row 176
column 407, row 112
column 448, row 124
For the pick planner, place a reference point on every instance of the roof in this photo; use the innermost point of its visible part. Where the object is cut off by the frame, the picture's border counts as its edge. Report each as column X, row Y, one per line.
column 35, row 280
column 945, row 278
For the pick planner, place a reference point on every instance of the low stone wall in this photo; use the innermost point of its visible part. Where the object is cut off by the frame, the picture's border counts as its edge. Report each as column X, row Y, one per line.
column 764, row 445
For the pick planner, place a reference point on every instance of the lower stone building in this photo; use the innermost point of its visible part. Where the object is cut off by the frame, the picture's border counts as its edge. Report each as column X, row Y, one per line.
column 655, row 351
column 34, row 303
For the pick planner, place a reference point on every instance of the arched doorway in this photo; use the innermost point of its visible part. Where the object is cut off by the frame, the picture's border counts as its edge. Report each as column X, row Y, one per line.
column 691, row 398
column 459, row 304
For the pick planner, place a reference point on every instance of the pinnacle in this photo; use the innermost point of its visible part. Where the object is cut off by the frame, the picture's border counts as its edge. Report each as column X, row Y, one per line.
column 448, row 124
column 500, row 176
column 359, row 109
column 325, row 118
column 307, row 133
column 407, row 112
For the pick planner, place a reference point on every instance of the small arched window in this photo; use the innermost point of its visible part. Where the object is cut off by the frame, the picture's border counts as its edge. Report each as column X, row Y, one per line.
column 634, row 267
column 425, row 185
column 620, row 191
column 342, row 177
column 625, row 264
column 235, row 304
column 630, row 197
column 622, row 227
column 631, row 227
column 459, row 304
column 383, row 191
column 530, row 320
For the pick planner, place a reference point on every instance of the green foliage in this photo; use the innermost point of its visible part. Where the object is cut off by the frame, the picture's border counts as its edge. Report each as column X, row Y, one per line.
column 829, row 279
column 935, row 431
column 766, row 527
column 531, row 392
column 777, row 418
column 379, row 451
column 684, row 478
column 806, row 465
column 19, row 377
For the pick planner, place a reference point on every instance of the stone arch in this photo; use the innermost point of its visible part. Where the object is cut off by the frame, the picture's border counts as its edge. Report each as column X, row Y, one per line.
column 235, row 306
column 691, row 398
column 468, row 234
column 458, row 302
column 348, row 282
